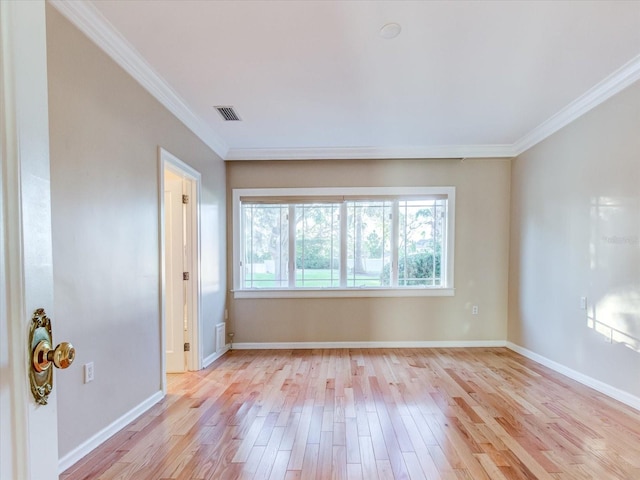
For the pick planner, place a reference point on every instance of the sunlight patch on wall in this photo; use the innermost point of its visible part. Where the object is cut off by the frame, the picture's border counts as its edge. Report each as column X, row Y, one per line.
column 614, row 275
column 617, row 318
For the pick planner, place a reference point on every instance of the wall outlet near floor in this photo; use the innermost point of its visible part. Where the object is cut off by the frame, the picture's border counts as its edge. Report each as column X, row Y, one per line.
column 583, row 303
column 88, row 372
column 474, row 310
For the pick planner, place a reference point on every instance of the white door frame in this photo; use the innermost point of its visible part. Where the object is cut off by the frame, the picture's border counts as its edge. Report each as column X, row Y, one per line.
column 26, row 268
column 170, row 162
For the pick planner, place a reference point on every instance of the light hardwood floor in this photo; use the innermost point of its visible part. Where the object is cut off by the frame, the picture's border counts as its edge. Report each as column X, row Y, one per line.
column 474, row 414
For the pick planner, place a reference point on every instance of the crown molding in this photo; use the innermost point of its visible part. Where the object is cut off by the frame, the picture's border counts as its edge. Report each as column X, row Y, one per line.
column 622, row 78
column 346, row 153
column 626, row 75
column 90, row 22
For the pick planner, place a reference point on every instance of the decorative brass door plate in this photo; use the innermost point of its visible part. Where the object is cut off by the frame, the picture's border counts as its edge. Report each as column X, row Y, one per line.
column 43, row 355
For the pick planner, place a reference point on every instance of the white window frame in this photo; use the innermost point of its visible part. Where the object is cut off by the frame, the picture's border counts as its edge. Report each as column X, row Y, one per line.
column 447, row 289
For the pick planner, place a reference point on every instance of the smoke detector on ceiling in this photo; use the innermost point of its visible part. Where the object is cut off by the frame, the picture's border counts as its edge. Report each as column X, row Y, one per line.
column 390, row 30
column 227, row 113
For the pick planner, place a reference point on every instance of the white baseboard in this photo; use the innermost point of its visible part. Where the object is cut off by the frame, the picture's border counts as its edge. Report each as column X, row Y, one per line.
column 103, row 435
column 598, row 385
column 401, row 344
column 214, row 356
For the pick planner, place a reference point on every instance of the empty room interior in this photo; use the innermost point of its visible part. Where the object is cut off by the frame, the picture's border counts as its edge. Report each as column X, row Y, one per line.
column 320, row 239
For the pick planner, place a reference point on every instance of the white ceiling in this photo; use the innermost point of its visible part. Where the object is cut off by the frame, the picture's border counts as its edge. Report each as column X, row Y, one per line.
column 314, row 79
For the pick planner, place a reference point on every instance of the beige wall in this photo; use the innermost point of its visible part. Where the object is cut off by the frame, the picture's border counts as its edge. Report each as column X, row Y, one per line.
column 575, row 229
column 481, row 256
column 105, row 130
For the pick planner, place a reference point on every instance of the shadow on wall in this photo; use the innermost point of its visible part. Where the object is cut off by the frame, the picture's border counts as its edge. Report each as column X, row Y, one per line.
column 615, row 270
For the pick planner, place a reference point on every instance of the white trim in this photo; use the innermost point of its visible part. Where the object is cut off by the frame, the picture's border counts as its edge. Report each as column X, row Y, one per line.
column 103, row 435
column 168, row 161
column 93, row 24
column 605, row 388
column 163, row 269
column 345, row 292
column 291, row 248
column 345, row 153
column 607, row 88
column 391, row 344
column 236, row 246
column 195, row 327
column 214, row 356
column 344, row 226
column 177, row 166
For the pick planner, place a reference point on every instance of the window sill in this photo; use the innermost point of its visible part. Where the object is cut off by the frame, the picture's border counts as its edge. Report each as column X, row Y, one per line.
column 344, row 293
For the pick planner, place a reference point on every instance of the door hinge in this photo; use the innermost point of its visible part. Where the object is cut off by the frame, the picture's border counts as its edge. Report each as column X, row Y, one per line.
column 185, row 275
column 187, row 347
column 185, row 199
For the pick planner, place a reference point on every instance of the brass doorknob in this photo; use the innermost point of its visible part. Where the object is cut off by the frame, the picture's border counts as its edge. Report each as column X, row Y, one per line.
column 43, row 356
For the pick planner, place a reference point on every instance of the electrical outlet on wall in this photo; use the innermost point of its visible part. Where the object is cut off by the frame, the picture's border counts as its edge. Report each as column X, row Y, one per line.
column 474, row 310
column 88, row 372
column 583, row 303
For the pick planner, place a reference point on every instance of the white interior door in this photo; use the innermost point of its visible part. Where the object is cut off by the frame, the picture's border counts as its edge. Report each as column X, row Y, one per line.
column 175, row 305
column 29, row 433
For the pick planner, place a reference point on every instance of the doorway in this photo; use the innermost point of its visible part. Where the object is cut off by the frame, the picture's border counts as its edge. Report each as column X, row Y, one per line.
column 180, row 260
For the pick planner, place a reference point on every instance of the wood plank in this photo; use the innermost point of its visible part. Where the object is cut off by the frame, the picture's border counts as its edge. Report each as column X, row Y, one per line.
column 483, row 413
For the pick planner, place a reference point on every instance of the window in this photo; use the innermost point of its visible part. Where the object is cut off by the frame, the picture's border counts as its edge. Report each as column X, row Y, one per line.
column 343, row 242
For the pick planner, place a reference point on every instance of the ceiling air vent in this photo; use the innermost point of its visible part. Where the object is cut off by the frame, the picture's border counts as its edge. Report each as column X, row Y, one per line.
column 228, row 113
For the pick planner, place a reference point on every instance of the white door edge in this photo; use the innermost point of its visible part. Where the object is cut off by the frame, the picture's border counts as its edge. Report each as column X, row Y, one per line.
column 27, row 269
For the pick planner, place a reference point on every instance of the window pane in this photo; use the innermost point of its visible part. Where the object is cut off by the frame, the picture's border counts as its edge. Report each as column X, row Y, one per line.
column 266, row 234
column 317, row 245
column 420, row 247
column 353, row 239
column 368, row 243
